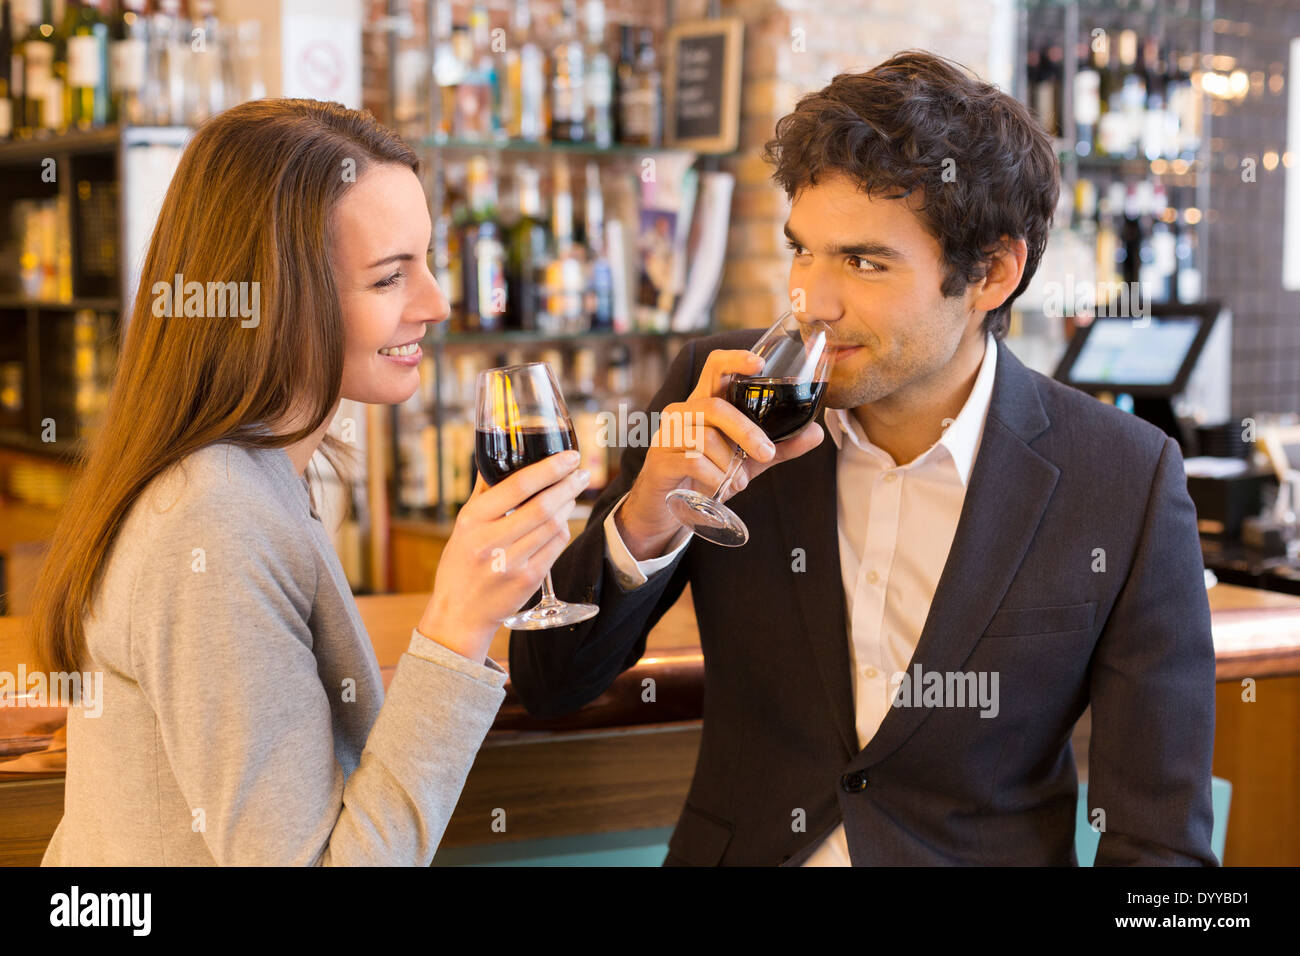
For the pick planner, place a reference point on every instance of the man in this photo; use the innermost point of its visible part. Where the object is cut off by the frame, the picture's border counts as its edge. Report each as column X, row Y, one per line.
column 929, row 598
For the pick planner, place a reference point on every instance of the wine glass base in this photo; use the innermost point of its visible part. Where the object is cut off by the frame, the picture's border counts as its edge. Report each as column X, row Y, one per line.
column 707, row 518
column 544, row 616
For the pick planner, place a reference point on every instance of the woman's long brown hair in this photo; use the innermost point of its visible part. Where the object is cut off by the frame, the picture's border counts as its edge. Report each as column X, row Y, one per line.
column 251, row 201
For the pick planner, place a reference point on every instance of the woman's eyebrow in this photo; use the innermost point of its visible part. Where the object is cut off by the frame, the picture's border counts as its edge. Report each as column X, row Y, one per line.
column 395, row 257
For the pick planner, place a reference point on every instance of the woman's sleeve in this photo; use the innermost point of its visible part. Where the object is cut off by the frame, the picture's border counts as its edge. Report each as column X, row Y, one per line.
column 222, row 650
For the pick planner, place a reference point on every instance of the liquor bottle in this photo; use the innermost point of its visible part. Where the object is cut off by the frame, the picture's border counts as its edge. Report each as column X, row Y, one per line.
column 1087, row 100
column 483, row 253
column 1131, row 239
column 477, row 97
column 568, row 103
column 524, row 106
column 6, row 70
column 1054, row 75
column 440, row 263
column 1155, row 116
column 447, row 70
column 599, row 81
column 208, row 49
column 42, row 95
column 86, row 35
column 171, row 63
column 620, row 400
column 1132, row 95
column 1187, row 280
column 598, row 298
column 584, row 408
column 1191, row 106
column 1107, row 242
column 1164, row 246
column 1111, row 127
column 527, row 253
column 458, row 432
column 564, row 274
column 624, row 82
column 128, row 45
column 649, row 100
column 1045, row 90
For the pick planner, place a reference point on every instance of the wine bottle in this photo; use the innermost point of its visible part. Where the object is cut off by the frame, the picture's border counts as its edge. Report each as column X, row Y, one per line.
column 1087, row 100
column 483, row 252
column 527, row 253
column 128, row 46
column 86, row 34
column 6, row 70
column 525, row 89
column 568, row 103
column 599, row 280
column 42, row 95
column 599, row 81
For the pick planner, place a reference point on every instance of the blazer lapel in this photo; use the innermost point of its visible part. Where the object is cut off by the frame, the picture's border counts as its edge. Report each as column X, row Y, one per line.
column 1010, row 486
column 807, row 516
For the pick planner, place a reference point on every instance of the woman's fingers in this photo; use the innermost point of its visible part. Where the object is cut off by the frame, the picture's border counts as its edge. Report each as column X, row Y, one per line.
column 526, row 482
column 538, row 510
column 518, row 554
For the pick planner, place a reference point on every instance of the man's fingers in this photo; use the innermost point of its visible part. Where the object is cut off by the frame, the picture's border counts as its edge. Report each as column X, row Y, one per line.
column 720, row 365
column 809, row 438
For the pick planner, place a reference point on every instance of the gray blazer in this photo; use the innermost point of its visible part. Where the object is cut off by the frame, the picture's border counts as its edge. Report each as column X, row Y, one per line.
column 1075, row 574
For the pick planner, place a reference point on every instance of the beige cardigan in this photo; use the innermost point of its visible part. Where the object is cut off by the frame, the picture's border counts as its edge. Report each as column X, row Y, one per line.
column 243, row 716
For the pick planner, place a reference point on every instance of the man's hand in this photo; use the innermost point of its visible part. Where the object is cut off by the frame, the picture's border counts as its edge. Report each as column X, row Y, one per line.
column 695, row 443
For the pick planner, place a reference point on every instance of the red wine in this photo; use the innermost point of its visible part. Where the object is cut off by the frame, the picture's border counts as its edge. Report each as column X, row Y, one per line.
column 501, row 451
column 779, row 406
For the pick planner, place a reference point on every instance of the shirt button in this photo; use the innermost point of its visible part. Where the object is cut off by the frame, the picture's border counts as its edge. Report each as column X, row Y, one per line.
column 873, row 577
column 870, row 672
column 891, row 476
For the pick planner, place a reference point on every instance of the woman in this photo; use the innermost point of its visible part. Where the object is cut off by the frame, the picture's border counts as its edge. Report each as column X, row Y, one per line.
column 241, row 704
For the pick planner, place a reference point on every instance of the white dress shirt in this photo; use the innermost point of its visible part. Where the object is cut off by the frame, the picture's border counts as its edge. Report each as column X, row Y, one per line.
column 893, row 544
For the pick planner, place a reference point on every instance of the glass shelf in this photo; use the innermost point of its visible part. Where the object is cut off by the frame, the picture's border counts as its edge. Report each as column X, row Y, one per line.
column 96, row 304
column 528, row 146
column 517, row 337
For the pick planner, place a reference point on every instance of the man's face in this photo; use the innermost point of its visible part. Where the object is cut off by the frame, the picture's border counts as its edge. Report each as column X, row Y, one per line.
column 868, row 268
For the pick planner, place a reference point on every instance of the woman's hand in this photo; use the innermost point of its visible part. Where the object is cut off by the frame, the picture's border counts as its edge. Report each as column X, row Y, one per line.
column 493, row 561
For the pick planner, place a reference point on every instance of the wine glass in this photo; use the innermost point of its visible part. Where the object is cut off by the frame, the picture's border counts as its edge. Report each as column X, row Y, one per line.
column 781, row 399
column 521, row 419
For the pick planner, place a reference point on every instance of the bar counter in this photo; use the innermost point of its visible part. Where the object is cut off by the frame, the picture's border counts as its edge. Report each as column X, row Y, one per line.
column 623, row 764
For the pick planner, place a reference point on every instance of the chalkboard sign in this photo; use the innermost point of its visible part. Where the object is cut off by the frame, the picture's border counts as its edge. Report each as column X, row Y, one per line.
column 703, row 85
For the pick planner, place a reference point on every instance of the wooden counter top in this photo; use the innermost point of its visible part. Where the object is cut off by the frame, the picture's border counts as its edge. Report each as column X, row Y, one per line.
column 607, row 769
column 1256, row 633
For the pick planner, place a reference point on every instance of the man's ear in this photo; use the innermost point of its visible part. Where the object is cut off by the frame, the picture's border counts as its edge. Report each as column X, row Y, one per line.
column 1006, row 266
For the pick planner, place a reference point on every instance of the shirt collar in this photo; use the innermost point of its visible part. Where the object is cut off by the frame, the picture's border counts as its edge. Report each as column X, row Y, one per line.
column 960, row 439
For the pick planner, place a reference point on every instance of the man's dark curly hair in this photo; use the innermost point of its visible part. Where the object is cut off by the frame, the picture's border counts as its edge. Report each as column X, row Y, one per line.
column 892, row 128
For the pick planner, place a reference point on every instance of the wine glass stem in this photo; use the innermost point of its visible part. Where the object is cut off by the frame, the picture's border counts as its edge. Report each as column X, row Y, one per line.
column 737, row 460
column 548, row 593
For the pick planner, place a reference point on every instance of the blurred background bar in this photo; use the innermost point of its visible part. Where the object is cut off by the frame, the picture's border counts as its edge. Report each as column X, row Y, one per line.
column 598, row 199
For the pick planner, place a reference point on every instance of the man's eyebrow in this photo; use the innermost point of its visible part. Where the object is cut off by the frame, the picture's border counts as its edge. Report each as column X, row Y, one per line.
column 874, row 250
column 395, row 257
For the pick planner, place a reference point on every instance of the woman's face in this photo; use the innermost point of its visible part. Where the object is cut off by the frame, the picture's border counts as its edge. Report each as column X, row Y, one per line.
column 381, row 234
